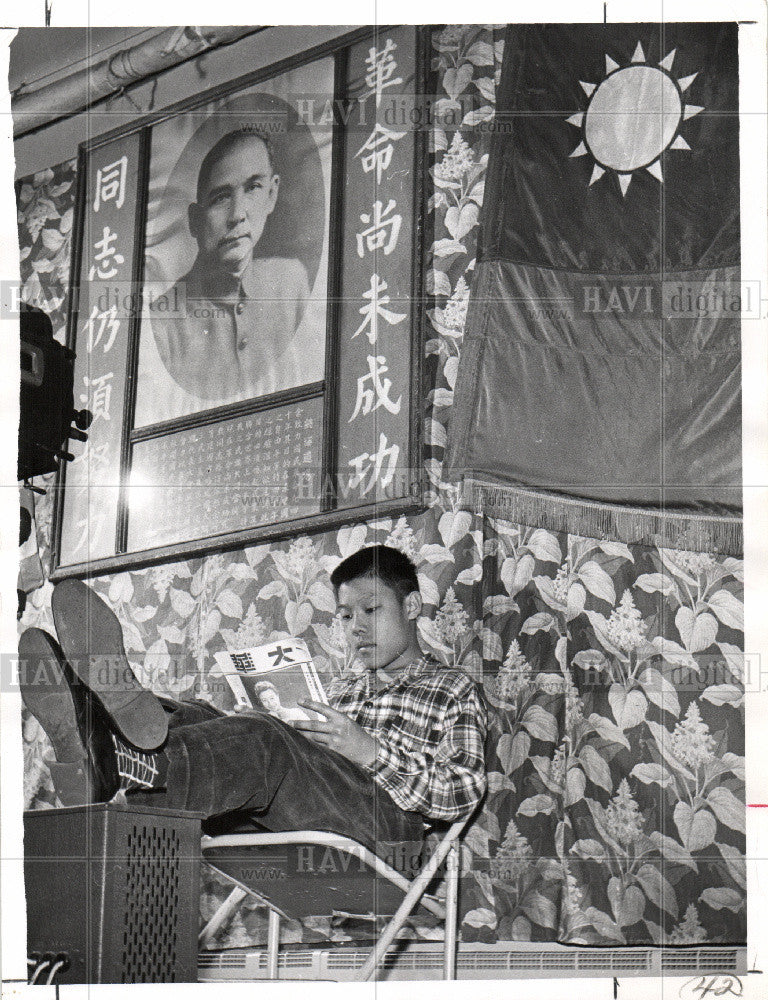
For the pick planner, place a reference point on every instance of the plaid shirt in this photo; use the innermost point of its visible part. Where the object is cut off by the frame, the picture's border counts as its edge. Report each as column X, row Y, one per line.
column 431, row 726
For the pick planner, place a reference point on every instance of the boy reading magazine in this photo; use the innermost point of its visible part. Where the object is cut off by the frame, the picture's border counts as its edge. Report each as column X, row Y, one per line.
column 401, row 744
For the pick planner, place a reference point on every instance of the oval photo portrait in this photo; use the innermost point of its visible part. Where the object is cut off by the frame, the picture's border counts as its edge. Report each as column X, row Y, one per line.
column 236, row 256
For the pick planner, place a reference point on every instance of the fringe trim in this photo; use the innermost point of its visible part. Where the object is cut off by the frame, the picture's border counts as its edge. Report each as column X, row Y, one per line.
column 693, row 532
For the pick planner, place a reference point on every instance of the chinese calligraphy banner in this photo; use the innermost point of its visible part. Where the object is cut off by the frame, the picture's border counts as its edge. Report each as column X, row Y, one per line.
column 247, row 318
column 376, row 314
column 101, row 342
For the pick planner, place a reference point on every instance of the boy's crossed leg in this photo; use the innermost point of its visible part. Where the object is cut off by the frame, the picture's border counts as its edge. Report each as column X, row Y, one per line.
column 209, row 762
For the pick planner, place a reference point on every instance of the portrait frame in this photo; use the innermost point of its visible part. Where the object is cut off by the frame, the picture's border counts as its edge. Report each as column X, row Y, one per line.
column 107, row 514
column 180, row 298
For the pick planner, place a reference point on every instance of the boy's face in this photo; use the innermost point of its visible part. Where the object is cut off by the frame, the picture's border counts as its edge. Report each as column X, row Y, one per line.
column 234, row 206
column 377, row 622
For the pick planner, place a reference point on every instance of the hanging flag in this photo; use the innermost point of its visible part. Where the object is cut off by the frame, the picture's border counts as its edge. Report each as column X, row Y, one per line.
column 601, row 357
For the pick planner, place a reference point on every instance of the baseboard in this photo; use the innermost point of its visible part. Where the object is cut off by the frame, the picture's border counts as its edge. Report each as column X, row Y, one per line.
column 423, row 960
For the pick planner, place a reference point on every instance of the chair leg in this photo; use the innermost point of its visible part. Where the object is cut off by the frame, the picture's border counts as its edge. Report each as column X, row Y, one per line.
column 273, row 943
column 412, row 897
column 221, row 917
column 451, row 913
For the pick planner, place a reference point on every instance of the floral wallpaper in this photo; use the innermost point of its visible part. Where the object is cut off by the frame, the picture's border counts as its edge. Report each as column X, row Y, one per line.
column 45, row 215
column 467, row 66
column 613, row 673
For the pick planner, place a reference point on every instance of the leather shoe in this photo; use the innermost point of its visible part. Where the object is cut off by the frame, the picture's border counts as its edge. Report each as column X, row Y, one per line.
column 85, row 769
column 92, row 640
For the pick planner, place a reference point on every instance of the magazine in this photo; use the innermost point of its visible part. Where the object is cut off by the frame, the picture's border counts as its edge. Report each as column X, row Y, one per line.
column 273, row 678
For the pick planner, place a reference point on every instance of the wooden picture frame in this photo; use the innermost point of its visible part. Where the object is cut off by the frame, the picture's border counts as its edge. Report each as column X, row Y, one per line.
column 172, row 469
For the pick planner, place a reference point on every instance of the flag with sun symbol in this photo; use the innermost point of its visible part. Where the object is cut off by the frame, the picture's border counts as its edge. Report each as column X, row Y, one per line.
column 603, row 340
column 632, row 116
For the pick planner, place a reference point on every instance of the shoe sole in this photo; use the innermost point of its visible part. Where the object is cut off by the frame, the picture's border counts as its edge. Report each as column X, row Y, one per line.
column 85, row 625
column 44, row 689
column 72, row 719
column 47, row 695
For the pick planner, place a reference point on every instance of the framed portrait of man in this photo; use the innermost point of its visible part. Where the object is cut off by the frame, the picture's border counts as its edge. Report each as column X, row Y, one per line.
column 236, row 251
column 247, row 322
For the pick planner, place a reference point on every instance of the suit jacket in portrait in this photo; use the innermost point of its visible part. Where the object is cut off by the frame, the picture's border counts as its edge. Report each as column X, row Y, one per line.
column 237, row 338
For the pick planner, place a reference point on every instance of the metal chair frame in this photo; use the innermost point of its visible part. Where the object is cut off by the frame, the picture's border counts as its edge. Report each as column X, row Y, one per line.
column 413, row 891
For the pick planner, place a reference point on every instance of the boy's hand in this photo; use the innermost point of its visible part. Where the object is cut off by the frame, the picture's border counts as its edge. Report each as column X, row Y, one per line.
column 338, row 732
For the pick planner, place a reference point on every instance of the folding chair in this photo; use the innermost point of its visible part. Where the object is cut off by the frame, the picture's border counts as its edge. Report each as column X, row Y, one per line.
column 278, row 869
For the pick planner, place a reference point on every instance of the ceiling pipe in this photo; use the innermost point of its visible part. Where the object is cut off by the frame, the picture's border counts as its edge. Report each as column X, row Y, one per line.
column 32, row 109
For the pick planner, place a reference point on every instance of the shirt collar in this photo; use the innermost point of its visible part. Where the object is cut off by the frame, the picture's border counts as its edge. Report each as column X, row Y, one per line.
column 218, row 285
column 424, row 665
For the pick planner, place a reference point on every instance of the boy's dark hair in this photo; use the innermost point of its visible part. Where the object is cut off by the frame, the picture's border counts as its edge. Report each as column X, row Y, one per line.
column 391, row 566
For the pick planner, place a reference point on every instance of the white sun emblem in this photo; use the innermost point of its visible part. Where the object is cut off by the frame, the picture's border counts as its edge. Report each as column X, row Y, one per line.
column 633, row 115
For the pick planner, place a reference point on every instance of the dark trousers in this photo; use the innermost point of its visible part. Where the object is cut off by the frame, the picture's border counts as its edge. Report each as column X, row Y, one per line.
column 240, row 767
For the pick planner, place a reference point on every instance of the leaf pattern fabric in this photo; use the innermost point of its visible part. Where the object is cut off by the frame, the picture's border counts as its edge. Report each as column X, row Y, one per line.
column 620, row 743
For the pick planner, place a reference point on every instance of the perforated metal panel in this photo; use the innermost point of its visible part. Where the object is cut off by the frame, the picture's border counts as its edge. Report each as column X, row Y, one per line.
column 701, row 960
column 116, row 891
column 150, row 938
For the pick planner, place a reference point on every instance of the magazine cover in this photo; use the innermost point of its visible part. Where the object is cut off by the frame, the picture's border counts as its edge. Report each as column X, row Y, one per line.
column 273, row 677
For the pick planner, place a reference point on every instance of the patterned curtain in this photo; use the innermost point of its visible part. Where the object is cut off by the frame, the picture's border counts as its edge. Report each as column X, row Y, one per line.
column 616, row 814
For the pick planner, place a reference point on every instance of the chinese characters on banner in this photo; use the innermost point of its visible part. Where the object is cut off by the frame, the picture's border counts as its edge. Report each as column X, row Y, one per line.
column 376, row 309
column 101, row 345
column 217, row 461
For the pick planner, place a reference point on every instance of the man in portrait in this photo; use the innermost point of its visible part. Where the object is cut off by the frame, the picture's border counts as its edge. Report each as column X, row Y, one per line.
column 237, row 337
